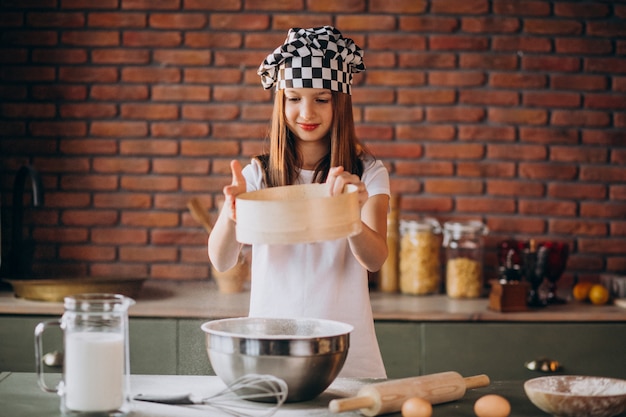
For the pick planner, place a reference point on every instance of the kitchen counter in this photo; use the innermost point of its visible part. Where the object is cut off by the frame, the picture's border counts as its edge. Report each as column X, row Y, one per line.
column 21, row 397
column 201, row 300
column 417, row 335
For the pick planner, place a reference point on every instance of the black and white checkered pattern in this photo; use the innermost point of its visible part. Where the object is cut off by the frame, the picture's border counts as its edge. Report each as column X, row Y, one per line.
column 313, row 58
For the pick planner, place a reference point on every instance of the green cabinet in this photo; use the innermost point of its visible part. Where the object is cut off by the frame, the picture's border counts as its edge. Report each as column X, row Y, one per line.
column 501, row 349
column 170, row 346
column 153, row 346
column 400, row 345
column 17, row 342
column 193, row 358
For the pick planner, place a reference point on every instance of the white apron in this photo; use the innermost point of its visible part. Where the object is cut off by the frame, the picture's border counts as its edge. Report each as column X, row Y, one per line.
column 319, row 280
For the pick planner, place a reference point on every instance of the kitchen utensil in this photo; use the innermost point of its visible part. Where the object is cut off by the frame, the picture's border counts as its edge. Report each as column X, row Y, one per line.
column 577, row 396
column 306, row 353
column 510, row 259
column 96, row 367
column 57, row 289
column 248, row 387
column 230, row 281
column 300, row 213
column 508, row 296
column 388, row 397
column 199, row 213
column 388, row 275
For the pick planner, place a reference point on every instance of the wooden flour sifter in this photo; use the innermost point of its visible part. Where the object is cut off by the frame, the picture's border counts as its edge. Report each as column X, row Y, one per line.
column 388, row 397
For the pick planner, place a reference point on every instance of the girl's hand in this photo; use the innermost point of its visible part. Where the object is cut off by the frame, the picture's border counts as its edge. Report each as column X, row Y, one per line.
column 238, row 186
column 337, row 180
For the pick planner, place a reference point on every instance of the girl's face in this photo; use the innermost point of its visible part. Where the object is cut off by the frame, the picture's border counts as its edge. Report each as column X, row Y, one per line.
column 308, row 112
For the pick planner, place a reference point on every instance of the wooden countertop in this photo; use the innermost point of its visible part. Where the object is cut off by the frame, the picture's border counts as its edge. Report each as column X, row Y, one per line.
column 201, row 299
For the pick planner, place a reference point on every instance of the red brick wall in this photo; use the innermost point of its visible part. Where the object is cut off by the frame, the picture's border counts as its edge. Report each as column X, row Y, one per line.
column 508, row 111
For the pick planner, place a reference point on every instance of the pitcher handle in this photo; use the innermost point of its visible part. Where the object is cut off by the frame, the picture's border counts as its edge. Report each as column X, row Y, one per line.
column 41, row 327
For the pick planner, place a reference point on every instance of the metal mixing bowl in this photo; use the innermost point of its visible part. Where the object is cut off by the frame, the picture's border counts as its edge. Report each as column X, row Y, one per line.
column 307, row 353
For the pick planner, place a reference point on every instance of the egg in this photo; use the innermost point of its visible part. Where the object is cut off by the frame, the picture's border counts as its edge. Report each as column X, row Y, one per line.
column 417, row 407
column 492, row 406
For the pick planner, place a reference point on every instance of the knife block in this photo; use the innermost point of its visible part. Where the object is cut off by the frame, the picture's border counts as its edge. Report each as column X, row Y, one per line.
column 508, row 297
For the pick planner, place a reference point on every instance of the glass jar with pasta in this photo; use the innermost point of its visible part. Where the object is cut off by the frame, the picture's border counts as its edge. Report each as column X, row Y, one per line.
column 463, row 243
column 420, row 265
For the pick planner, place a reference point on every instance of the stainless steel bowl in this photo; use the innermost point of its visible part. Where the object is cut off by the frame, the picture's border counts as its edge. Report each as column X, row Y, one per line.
column 307, row 353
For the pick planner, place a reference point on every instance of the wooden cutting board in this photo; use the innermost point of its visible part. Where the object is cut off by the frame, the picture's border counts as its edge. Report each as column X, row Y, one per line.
column 57, row 289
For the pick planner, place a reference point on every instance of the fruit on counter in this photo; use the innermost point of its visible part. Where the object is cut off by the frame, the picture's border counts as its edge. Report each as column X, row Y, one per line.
column 580, row 292
column 417, row 407
column 492, row 405
column 598, row 294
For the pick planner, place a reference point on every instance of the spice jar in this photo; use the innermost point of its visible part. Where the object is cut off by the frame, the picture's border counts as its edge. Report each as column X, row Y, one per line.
column 463, row 243
column 420, row 265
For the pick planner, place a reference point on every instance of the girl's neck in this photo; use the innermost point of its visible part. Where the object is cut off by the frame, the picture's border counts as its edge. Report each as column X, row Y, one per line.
column 312, row 153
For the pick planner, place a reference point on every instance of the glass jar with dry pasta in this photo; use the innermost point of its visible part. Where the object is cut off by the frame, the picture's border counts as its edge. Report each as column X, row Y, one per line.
column 420, row 265
column 463, row 243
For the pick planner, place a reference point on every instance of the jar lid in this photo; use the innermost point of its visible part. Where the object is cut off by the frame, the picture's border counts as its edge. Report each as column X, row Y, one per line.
column 472, row 227
column 427, row 224
column 96, row 302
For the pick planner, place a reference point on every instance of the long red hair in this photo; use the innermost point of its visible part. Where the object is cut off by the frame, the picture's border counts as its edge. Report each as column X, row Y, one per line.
column 282, row 162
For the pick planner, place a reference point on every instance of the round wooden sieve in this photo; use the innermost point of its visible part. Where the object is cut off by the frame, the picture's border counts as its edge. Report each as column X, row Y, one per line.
column 302, row 213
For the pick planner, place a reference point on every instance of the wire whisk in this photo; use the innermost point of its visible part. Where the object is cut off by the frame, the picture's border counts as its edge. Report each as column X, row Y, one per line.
column 253, row 387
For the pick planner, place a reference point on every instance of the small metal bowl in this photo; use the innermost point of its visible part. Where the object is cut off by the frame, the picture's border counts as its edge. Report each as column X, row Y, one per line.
column 307, row 353
column 577, row 396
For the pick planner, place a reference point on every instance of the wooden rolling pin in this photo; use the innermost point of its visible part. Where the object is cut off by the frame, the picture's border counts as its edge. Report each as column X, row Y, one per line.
column 388, row 397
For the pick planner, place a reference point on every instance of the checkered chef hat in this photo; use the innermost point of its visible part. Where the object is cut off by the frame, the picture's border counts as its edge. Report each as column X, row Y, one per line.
column 313, row 58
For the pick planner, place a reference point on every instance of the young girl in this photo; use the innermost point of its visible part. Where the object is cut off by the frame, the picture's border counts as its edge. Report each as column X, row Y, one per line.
column 312, row 139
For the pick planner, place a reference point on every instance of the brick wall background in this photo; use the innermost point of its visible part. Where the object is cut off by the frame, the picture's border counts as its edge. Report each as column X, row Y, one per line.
column 513, row 112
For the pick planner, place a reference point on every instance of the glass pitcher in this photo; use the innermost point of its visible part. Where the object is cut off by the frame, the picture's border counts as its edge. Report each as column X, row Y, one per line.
column 96, row 369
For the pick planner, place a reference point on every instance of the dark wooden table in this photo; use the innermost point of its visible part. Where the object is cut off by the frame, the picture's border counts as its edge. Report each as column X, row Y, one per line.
column 20, row 396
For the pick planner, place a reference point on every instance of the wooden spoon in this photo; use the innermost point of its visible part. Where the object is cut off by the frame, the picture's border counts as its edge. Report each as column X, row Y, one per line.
column 199, row 213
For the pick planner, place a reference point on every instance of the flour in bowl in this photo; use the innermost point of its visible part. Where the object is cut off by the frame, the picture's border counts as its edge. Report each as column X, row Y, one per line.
column 580, row 385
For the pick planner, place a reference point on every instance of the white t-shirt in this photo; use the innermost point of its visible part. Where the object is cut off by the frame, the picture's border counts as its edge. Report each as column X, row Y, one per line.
column 319, row 280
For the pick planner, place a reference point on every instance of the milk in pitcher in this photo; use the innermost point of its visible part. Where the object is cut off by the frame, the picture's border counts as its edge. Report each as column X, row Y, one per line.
column 94, row 371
